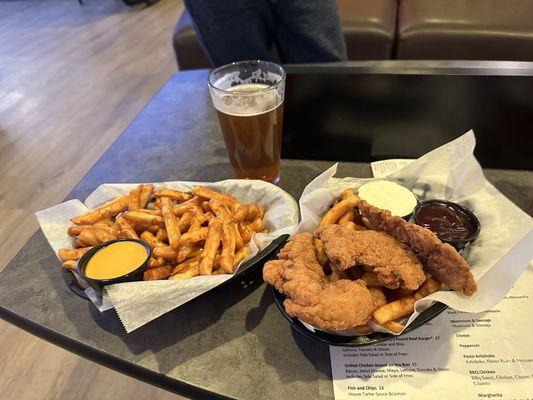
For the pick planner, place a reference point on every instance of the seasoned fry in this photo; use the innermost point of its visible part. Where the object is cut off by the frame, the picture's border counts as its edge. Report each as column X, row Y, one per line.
column 171, row 223
column 72, row 254
column 240, row 256
column 371, row 279
column 239, row 242
column 338, row 210
column 187, row 250
column 239, row 212
column 348, row 217
column 245, row 232
column 102, row 234
column 256, row 224
column 228, row 249
column 189, row 273
column 189, row 205
column 206, row 193
column 154, row 263
column 76, row 229
column 143, row 219
column 173, row 194
column 134, row 199
column 126, row 227
column 69, row 264
column 167, row 252
column 353, row 226
column 109, row 209
column 146, row 193
column 185, row 221
column 161, row 236
column 347, row 193
column 221, row 210
column 87, row 236
column 321, row 256
column 149, row 238
column 194, row 236
column 211, row 246
column 186, row 265
column 158, row 273
column 151, row 212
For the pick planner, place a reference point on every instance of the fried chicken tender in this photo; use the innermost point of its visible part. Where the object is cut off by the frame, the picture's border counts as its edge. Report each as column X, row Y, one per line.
column 441, row 260
column 310, row 295
column 395, row 264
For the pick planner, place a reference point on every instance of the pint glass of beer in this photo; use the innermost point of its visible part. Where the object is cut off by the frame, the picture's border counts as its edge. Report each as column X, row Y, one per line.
column 248, row 97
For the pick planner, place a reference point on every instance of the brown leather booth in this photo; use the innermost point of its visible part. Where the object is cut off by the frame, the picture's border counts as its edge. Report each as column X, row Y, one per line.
column 412, row 29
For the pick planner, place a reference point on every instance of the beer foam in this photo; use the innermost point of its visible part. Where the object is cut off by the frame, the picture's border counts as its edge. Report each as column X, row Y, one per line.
column 247, row 99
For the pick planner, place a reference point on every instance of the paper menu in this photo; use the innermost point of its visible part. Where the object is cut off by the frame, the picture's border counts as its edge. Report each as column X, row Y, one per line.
column 469, row 356
column 382, row 169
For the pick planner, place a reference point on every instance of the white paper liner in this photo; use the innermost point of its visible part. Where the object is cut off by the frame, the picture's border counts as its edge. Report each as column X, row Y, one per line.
column 449, row 172
column 137, row 303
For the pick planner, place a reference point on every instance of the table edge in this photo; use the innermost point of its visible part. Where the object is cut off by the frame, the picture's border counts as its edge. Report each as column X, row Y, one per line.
column 115, row 363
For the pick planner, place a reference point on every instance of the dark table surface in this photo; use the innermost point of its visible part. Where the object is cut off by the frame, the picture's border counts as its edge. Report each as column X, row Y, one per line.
column 230, row 342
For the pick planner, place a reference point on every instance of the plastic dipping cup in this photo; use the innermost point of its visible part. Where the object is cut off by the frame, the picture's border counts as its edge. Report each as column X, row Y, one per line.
column 248, row 97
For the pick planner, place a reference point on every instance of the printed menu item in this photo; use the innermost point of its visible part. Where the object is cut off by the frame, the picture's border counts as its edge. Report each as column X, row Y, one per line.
column 487, row 355
column 381, row 169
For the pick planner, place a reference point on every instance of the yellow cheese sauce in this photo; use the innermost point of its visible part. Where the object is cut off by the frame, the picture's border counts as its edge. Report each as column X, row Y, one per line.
column 115, row 260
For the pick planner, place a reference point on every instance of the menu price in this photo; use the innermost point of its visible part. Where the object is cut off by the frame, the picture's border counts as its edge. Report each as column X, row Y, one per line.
column 472, row 356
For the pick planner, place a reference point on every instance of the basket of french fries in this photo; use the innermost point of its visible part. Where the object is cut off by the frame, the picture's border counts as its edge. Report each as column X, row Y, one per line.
column 200, row 234
column 354, row 274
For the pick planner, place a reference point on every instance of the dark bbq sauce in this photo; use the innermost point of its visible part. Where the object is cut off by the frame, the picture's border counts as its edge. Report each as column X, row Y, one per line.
column 446, row 221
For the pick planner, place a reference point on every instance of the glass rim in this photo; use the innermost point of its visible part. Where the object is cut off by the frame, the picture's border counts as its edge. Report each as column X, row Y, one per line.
column 248, row 92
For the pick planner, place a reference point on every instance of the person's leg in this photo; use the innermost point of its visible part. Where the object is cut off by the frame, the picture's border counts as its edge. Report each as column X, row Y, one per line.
column 233, row 30
column 308, row 31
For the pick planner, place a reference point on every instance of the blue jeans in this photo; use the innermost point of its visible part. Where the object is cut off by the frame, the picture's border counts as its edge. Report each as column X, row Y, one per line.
column 302, row 31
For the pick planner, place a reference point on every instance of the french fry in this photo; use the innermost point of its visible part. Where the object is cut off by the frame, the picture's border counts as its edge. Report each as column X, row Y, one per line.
column 353, row 226
column 393, row 326
column 378, row 296
column 146, row 193
column 152, row 229
column 348, row 217
column 221, row 210
column 239, row 212
column 87, row 236
column 220, row 271
column 347, row 193
column 72, row 254
column 256, row 224
column 69, row 264
column 151, row 212
column 149, row 238
column 430, row 286
column 154, row 263
column 126, row 227
column 143, row 219
column 189, row 273
column 194, row 236
column 339, row 209
column 245, row 232
column 240, row 256
column 173, row 194
column 80, row 243
column 211, row 246
column 167, row 252
column 206, row 193
column 102, row 234
column 254, row 211
column 109, row 209
column 76, row 229
column 371, row 279
column 171, row 223
column 189, row 205
column 239, row 242
column 396, row 309
column 228, row 249
column 186, row 265
column 185, row 221
column 161, row 235
column 134, row 199
column 158, row 273
column 187, row 250
column 205, row 206
column 363, row 329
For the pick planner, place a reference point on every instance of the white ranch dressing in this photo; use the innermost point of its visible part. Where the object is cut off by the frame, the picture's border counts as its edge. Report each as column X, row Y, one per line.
column 389, row 196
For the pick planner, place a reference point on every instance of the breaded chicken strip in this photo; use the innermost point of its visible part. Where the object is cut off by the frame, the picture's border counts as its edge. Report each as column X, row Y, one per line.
column 310, row 295
column 395, row 264
column 440, row 259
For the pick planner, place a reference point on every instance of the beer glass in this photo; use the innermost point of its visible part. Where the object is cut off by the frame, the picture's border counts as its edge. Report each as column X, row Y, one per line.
column 248, row 97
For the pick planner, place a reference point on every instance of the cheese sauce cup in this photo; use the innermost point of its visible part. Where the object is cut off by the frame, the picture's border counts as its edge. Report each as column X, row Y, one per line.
column 120, row 260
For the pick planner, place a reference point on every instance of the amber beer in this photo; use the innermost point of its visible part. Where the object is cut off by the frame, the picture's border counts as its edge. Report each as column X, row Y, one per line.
column 251, row 119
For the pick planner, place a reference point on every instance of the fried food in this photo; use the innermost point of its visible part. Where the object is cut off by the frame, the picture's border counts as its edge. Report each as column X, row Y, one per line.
column 310, row 295
column 395, row 265
column 441, row 260
column 189, row 234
